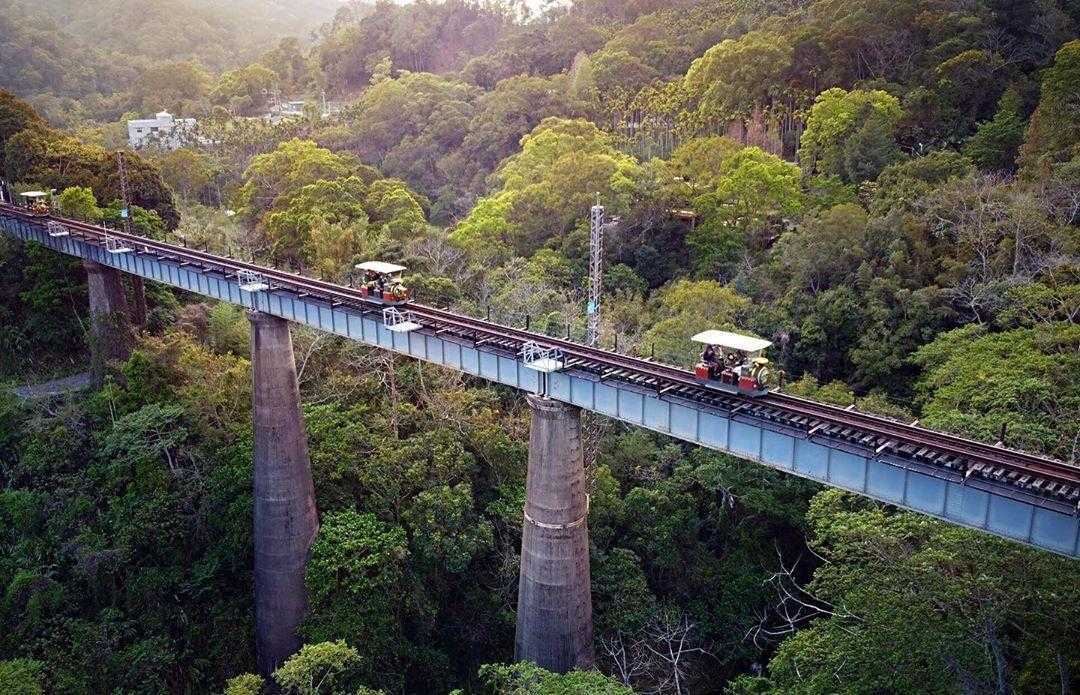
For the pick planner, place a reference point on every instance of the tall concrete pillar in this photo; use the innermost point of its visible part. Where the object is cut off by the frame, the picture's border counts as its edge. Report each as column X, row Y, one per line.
column 286, row 519
column 554, row 609
column 138, row 301
column 110, row 320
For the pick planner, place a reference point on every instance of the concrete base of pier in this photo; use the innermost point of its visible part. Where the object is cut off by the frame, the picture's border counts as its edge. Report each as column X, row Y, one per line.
column 554, row 609
column 110, row 320
column 286, row 519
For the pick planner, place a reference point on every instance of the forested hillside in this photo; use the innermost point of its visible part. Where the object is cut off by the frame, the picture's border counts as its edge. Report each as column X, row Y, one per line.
column 76, row 59
column 889, row 190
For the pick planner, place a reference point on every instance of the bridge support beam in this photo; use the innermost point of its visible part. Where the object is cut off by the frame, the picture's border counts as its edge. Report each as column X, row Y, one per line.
column 554, row 608
column 286, row 519
column 110, row 320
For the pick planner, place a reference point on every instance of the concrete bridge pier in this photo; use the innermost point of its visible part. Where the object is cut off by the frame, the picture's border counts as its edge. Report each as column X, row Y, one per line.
column 110, row 320
column 286, row 519
column 554, row 609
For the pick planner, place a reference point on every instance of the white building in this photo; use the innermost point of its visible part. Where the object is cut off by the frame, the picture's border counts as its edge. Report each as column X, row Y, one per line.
column 161, row 131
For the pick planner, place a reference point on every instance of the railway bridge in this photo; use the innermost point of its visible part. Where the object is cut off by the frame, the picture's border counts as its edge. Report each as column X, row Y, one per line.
column 1016, row 495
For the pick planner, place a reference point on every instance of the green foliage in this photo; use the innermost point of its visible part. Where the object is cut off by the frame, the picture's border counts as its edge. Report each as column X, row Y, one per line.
column 79, row 203
column 549, row 186
column 244, row 91
column 150, row 534
column 59, row 161
column 125, row 513
column 617, row 70
column 529, row 679
column 288, row 168
column 436, row 37
column 21, row 677
column 1054, row 131
column 976, row 382
column 901, row 185
column 843, row 127
column 324, row 210
column 825, row 250
column 187, row 171
column 244, row 684
column 751, row 194
column 43, row 296
column 411, row 127
column 738, row 74
column 918, row 605
column 356, row 568
column 445, row 529
column 15, row 116
column 227, row 330
column 686, row 308
column 314, row 669
column 996, row 143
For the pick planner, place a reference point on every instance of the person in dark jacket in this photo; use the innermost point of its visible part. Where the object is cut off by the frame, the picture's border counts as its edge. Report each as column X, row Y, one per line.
column 710, row 358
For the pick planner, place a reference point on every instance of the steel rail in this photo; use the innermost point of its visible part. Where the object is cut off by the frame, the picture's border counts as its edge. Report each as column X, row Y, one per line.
column 880, row 427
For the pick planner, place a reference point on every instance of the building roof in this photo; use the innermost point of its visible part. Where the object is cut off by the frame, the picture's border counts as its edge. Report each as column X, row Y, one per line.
column 735, row 341
column 381, row 268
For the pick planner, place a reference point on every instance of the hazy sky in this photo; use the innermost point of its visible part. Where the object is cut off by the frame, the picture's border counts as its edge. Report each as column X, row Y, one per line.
column 535, row 4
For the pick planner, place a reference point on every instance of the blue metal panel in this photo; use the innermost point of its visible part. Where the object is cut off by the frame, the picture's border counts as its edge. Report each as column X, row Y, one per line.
column 529, row 380
column 470, row 360
column 418, row 345
column 885, row 482
column 581, row 393
column 508, row 371
column 1010, row 518
column 559, row 386
column 452, row 355
column 745, row 440
column 340, row 322
column 925, row 494
column 847, row 470
column 383, row 337
column 812, row 460
column 489, row 366
column 967, row 505
column 399, row 342
column 714, row 431
column 684, row 422
column 355, row 327
column 778, row 449
column 435, row 350
column 657, row 414
column 631, row 406
column 1055, row 531
column 606, row 400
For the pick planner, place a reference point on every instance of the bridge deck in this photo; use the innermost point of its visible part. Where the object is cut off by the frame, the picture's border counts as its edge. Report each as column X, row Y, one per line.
column 1011, row 494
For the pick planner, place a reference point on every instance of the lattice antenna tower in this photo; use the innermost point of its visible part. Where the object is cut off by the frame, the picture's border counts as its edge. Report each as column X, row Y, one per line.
column 596, row 271
column 125, row 212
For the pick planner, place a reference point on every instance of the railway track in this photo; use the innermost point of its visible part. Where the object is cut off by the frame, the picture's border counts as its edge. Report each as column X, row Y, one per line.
column 955, row 457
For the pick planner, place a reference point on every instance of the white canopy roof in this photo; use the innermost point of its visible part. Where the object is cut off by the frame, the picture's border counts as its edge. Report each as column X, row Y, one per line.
column 380, row 267
column 34, row 194
column 735, row 341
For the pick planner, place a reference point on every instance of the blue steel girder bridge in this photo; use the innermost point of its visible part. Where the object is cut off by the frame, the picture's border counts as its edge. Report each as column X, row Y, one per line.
column 1012, row 494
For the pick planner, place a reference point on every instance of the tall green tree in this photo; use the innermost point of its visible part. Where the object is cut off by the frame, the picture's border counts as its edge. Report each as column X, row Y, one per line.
column 836, row 119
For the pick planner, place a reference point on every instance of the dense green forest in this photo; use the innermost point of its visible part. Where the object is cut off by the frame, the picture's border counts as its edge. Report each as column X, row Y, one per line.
column 888, row 190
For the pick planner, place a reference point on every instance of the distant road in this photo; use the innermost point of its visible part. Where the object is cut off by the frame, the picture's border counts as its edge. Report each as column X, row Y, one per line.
column 56, row 387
